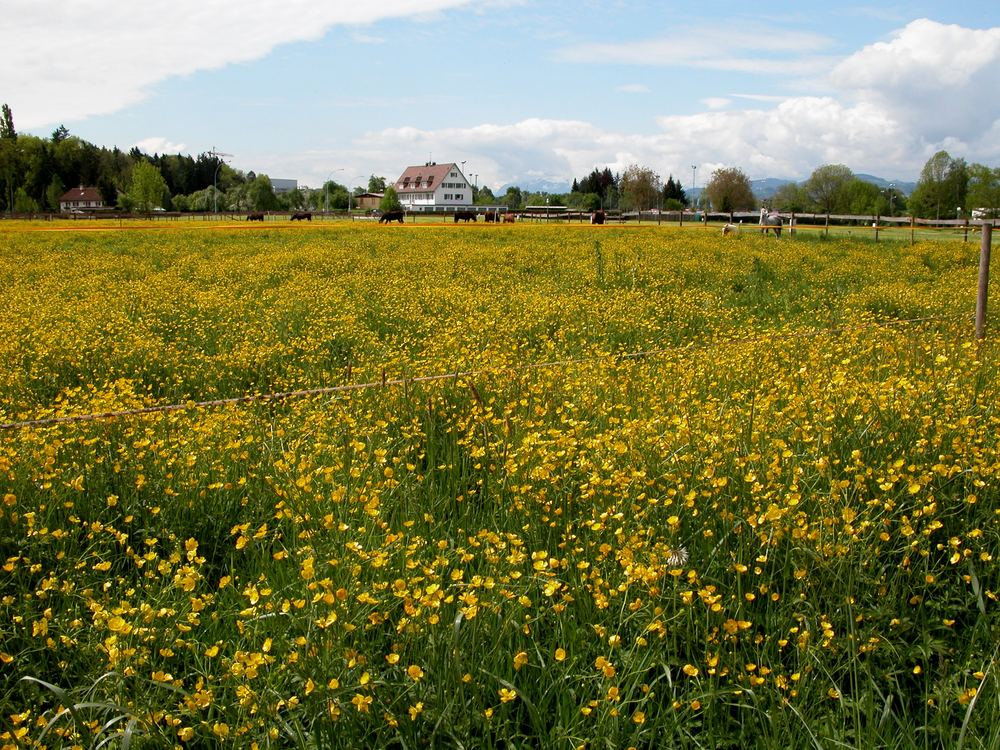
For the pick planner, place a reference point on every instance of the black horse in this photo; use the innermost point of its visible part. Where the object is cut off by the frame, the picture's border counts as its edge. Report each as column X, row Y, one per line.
column 302, row 216
column 389, row 216
column 465, row 216
column 255, row 216
column 597, row 217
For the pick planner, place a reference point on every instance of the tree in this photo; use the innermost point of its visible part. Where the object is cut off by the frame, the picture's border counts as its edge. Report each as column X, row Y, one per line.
column 826, row 186
column 54, row 192
column 23, row 204
column 513, row 198
column 860, row 197
column 640, row 188
column 260, row 194
column 485, row 197
column 60, row 134
column 674, row 191
column 942, row 187
column 729, row 190
column 9, row 155
column 602, row 182
column 984, row 189
column 148, row 189
column 7, row 123
column 791, row 198
column 376, row 184
column 390, row 201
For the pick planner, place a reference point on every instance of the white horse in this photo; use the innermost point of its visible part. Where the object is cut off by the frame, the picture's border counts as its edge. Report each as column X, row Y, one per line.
column 769, row 221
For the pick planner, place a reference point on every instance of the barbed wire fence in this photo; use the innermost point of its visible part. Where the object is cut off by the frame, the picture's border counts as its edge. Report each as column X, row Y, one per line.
column 386, row 382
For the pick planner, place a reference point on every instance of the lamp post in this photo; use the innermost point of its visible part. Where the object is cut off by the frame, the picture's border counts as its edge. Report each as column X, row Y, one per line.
column 215, row 190
column 892, row 197
column 326, row 186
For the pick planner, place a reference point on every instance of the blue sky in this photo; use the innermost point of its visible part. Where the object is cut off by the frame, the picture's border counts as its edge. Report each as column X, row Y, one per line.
column 520, row 91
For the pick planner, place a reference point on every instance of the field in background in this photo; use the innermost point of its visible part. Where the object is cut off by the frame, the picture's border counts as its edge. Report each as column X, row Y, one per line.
column 777, row 528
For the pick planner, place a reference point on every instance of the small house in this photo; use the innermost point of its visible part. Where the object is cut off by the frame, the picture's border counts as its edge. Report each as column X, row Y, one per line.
column 81, row 200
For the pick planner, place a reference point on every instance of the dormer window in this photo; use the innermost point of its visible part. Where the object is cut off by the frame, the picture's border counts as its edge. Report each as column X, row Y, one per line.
column 430, row 180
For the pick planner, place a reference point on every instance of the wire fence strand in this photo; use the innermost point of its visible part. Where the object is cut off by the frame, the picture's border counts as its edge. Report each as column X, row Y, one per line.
column 457, row 375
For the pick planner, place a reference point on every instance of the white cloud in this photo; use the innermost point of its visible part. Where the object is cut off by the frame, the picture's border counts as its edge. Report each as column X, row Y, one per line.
column 64, row 61
column 159, row 145
column 634, row 88
column 367, row 38
column 748, row 47
column 716, row 102
column 941, row 79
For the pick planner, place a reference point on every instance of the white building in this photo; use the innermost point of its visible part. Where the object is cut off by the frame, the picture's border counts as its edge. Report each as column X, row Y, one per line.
column 283, row 186
column 433, row 187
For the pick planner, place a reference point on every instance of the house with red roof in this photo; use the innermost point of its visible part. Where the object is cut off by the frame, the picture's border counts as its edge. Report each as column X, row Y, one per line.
column 433, row 187
column 81, row 199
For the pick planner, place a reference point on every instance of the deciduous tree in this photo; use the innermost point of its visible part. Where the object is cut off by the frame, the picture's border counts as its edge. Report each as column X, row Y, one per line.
column 390, row 201
column 826, row 187
column 640, row 188
column 942, row 187
column 148, row 189
column 730, row 190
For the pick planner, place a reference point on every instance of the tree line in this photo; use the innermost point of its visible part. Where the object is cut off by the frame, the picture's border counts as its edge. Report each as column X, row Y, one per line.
column 35, row 172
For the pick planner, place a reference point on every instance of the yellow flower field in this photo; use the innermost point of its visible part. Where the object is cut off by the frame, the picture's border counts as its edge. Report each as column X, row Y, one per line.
column 678, row 490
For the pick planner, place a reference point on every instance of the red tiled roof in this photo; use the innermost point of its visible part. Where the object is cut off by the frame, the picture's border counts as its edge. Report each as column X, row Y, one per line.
column 416, row 178
column 81, row 194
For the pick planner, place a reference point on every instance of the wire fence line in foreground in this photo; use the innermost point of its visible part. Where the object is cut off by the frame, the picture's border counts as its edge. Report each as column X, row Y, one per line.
column 457, row 375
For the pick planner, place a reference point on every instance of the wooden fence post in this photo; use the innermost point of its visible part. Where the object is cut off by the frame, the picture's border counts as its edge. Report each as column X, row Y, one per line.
column 877, row 218
column 913, row 226
column 827, row 233
column 984, row 279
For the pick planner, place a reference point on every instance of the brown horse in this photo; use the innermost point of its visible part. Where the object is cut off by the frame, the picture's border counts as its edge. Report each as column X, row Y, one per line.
column 255, row 216
column 302, row 216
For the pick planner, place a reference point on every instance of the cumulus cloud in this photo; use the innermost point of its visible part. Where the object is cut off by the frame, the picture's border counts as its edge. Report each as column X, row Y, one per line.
column 942, row 79
column 69, row 60
column 715, row 102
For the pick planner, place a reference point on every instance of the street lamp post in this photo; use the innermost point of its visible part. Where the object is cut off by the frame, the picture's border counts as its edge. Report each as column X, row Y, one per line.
column 215, row 190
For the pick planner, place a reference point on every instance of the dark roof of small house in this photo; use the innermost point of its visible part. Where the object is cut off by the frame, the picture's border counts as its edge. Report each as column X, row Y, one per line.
column 81, row 194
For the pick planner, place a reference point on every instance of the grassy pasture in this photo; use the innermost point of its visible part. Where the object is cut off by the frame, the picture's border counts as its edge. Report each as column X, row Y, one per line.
column 760, row 534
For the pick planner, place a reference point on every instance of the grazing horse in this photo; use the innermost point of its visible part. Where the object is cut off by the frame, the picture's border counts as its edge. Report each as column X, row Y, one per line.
column 465, row 216
column 509, row 218
column 390, row 216
column 730, row 228
column 255, row 216
column 597, row 217
column 302, row 215
column 770, row 221
column 491, row 217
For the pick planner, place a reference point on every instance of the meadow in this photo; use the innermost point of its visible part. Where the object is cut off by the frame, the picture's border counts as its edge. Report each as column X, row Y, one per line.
column 679, row 490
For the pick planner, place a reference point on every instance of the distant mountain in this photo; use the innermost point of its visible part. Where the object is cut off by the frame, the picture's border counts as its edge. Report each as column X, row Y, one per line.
column 901, row 185
column 767, row 187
